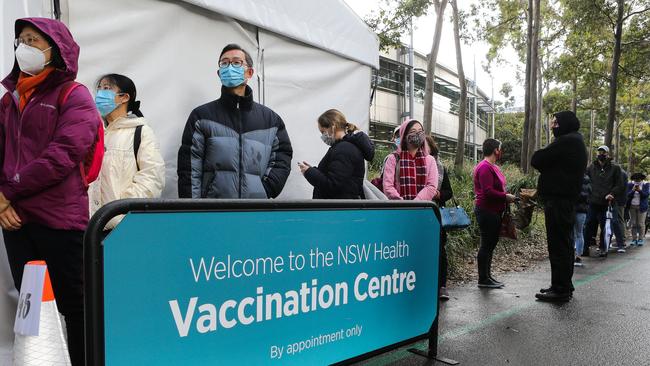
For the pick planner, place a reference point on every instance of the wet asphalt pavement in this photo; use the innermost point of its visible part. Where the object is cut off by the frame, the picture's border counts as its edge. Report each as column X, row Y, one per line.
column 606, row 323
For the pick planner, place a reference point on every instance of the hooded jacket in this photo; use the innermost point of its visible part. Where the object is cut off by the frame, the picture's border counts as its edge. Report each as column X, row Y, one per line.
column 562, row 163
column 233, row 147
column 41, row 148
column 340, row 173
column 606, row 178
column 121, row 176
column 391, row 186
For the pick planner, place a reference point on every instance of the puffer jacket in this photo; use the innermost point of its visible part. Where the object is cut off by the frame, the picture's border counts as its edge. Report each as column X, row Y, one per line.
column 233, row 147
column 340, row 173
column 42, row 147
column 121, row 177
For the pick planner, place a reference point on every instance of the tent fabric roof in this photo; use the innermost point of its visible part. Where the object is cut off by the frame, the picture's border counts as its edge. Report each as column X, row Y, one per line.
column 327, row 24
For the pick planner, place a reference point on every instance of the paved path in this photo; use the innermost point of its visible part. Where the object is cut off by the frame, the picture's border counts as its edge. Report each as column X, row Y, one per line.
column 607, row 322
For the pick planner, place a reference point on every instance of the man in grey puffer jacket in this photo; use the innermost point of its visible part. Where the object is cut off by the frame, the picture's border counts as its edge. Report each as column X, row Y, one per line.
column 234, row 147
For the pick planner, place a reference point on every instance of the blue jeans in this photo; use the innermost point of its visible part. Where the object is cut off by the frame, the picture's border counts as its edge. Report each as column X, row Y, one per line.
column 578, row 228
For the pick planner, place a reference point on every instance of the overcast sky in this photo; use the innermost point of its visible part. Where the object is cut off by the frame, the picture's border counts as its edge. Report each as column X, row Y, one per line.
column 423, row 37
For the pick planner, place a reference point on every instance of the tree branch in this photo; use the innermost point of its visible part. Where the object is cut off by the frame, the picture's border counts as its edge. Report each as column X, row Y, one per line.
column 611, row 21
column 511, row 19
column 635, row 13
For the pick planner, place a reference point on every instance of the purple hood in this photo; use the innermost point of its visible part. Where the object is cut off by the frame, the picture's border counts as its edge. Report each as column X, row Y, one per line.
column 41, row 147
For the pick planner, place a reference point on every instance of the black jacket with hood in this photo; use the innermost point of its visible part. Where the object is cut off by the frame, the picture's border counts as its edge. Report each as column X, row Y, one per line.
column 340, row 173
column 606, row 178
column 562, row 163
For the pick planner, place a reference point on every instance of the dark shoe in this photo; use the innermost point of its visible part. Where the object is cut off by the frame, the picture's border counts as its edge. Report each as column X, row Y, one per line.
column 578, row 260
column 553, row 296
column 496, row 281
column 489, row 283
column 545, row 290
column 444, row 295
column 603, row 255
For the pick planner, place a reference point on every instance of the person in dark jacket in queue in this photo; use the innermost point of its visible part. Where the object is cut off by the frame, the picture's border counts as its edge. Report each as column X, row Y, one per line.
column 234, row 147
column 561, row 166
column 443, row 195
column 581, row 216
column 606, row 178
column 339, row 174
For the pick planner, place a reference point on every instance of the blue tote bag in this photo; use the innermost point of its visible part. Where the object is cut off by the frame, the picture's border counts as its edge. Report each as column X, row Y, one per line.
column 454, row 218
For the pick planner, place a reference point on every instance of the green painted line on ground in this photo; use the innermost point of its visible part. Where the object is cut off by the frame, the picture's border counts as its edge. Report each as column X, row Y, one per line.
column 402, row 353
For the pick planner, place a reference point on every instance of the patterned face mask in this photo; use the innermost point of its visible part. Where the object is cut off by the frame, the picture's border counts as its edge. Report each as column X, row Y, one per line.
column 415, row 139
column 327, row 138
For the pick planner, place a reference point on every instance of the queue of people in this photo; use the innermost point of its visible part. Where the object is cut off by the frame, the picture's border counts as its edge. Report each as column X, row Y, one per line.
column 65, row 154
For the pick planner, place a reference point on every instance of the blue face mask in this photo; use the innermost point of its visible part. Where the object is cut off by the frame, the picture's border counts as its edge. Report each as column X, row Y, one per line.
column 105, row 101
column 231, row 76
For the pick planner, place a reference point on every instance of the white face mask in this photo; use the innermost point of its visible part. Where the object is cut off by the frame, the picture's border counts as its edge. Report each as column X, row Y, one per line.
column 30, row 59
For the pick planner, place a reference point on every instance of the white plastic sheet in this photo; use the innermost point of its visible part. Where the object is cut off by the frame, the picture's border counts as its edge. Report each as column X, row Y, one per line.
column 327, row 24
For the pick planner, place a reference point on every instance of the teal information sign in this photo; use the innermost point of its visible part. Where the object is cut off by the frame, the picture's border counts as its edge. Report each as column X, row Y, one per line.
column 298, row 287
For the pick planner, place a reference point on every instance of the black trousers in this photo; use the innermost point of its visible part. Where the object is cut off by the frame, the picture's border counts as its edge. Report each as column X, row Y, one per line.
column 444, row 264
column 62, row 250
column 560, row 217
column 489, row 224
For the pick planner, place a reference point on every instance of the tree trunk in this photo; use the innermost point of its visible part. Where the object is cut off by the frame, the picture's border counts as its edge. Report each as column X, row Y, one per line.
column 630, row 152
column 431, row 65
column 613, row 82
column 523, row 164
column 534, row 68
column 460, row 148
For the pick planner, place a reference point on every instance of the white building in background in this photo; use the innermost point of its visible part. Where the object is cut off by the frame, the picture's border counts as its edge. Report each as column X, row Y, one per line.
column 390, row 102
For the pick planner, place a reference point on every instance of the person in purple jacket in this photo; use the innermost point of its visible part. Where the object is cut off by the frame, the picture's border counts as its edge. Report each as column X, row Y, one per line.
column 491, row 200
column 43, row 198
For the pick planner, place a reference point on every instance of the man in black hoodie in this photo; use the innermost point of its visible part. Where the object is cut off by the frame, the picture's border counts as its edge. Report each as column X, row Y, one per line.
column 561, row 165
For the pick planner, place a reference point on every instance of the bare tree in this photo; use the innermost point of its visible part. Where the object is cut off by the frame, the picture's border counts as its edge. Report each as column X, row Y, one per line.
column 523, row 163
column 535, row 76
column 462, row 110
column 439, row 6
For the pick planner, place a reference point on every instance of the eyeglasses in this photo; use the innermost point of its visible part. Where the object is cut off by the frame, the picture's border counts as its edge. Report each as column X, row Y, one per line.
column 234, row 63
column 29, row 40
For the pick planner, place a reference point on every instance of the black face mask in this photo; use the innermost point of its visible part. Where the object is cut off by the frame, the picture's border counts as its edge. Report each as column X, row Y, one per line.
column 602, row 158
column 556, row 131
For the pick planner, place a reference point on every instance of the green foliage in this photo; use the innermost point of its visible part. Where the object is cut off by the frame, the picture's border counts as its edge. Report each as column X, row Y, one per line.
column 393, row 19
column 462, row 245
column 374, row 168
column 508, row 130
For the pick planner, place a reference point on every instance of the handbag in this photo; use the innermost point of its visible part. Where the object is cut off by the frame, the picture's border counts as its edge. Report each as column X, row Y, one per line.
column 508, row 229
column 454, row 218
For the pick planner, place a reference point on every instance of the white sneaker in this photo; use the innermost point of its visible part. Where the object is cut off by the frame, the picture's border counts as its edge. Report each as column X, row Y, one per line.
column 621, row 250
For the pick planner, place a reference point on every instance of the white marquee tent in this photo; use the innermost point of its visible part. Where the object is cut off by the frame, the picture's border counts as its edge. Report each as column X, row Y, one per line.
column 309, row 56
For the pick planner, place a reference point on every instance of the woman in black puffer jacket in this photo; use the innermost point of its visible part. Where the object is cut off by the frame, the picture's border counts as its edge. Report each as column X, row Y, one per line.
column 340, row 173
